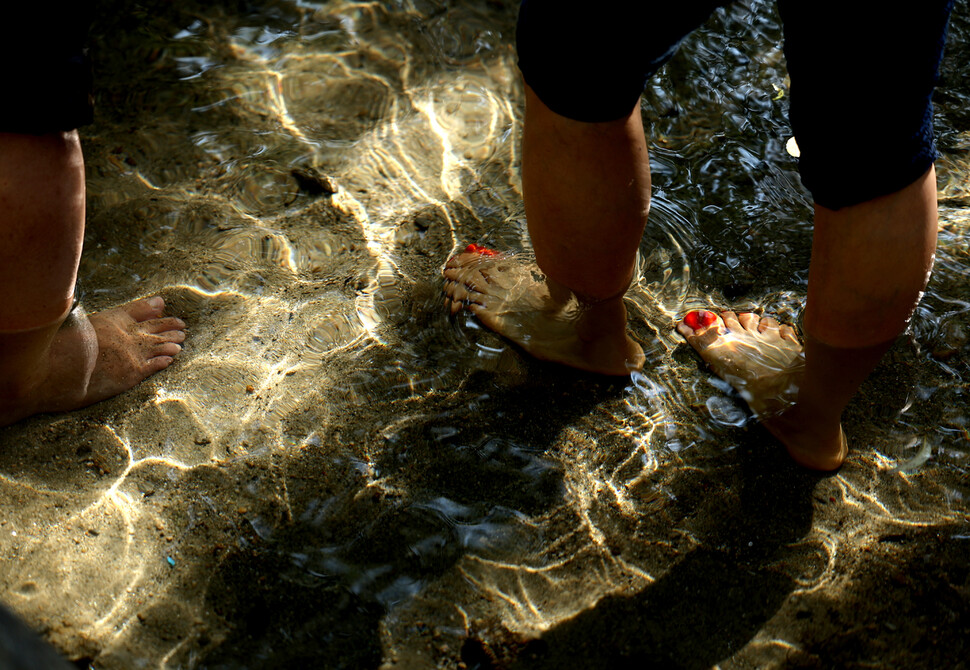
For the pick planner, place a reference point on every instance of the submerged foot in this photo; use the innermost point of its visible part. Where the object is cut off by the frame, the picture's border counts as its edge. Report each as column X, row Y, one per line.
column 132, row 342
column 92, row 359
column 764, row 362
column 513, row 298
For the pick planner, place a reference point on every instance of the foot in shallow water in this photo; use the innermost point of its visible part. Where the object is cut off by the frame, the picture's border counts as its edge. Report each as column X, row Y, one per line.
column 511, row 296
column 764, row 361
column 92, row 359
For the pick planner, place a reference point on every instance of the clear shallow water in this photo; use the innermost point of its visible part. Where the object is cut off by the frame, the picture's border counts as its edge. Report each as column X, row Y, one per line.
column 336, row 472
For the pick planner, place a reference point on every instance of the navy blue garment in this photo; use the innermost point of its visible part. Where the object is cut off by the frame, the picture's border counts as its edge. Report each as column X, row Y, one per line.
column 862, row 78
column 862, row 75
column 591, row 62
column 45, row 74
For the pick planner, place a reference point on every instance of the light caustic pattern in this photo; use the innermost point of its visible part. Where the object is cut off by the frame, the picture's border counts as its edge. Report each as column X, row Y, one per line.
column 326, row 412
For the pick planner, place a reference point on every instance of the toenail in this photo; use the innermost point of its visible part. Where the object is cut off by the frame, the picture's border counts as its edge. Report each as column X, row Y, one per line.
column 156, row 302
column 700, row 319
column 482, row 251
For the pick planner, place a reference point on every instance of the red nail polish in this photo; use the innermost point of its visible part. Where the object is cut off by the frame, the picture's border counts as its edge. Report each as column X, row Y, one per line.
column 483, row 251
column 700, row 319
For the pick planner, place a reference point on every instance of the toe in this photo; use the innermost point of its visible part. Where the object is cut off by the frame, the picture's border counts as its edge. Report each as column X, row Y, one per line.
column 458, row 295
column 730, row 320
column 459, row 261
column 486, row 276
column 702, row 338
column 684, row 329
column 467, row 279
column 698, row 320
column 749, row 321
column 165, row 349
column 788, row 333
column 458, row 274
column 462, row 293
column 158, row 363
column 450, row 287
column 458, row 291
column 163, row 325
column 768, row 325
column 465, row 260
column 454, row 304
column 143, row 310
column 477, row 282
column 173, row 336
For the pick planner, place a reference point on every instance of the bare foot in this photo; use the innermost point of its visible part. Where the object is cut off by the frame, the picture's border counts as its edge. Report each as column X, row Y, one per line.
column 513, row 298
column 765, row 363
column 92, row 359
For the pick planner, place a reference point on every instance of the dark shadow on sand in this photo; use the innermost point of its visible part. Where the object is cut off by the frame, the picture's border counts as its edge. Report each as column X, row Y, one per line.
column 316, row 591
column 716, row 598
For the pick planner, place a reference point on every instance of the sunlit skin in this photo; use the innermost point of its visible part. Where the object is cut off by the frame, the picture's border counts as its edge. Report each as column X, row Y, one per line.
column 542, row 317
column 759, row 357
column 587, row 188
column 54, row 357
column 587, row 192
column 765, row 362
column 870, row 264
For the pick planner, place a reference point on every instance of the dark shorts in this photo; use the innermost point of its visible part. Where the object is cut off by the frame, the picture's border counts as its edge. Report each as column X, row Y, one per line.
column 44, row 69
column 862, row 76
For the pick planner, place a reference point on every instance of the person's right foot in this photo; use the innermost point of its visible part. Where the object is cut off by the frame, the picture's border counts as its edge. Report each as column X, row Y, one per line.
column 764, row 362
column 94, row 359
column 514, row 299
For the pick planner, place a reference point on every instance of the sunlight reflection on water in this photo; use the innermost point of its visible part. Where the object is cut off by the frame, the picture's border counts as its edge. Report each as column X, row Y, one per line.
column 329, row 421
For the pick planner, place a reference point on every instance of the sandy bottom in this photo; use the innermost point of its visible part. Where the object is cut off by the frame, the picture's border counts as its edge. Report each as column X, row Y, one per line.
column 224, row 554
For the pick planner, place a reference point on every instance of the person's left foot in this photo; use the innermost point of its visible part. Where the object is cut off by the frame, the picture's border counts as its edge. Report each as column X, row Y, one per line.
column 765, row 363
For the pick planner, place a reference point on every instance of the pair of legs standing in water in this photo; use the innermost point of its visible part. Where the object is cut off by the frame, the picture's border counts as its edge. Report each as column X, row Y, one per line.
column 586, row 185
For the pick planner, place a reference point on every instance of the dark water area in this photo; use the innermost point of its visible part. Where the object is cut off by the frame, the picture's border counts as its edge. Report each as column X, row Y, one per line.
column 338, row 474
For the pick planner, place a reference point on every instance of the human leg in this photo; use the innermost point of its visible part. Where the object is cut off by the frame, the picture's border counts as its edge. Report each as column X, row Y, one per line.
column 587, row 191
column 51, row 360
column 870, row 263
column 585, row 180
column 875, row 219
column 53, row 357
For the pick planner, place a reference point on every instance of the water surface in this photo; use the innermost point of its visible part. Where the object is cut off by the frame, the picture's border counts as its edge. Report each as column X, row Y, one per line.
column 337, row 474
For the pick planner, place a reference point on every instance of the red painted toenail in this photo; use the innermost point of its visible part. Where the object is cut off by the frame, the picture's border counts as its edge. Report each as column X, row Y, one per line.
column 700, row 319
column 483, row 251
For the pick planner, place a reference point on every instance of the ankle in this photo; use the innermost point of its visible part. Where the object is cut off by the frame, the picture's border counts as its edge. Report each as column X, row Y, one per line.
column 806, row 423
column 603, row 319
